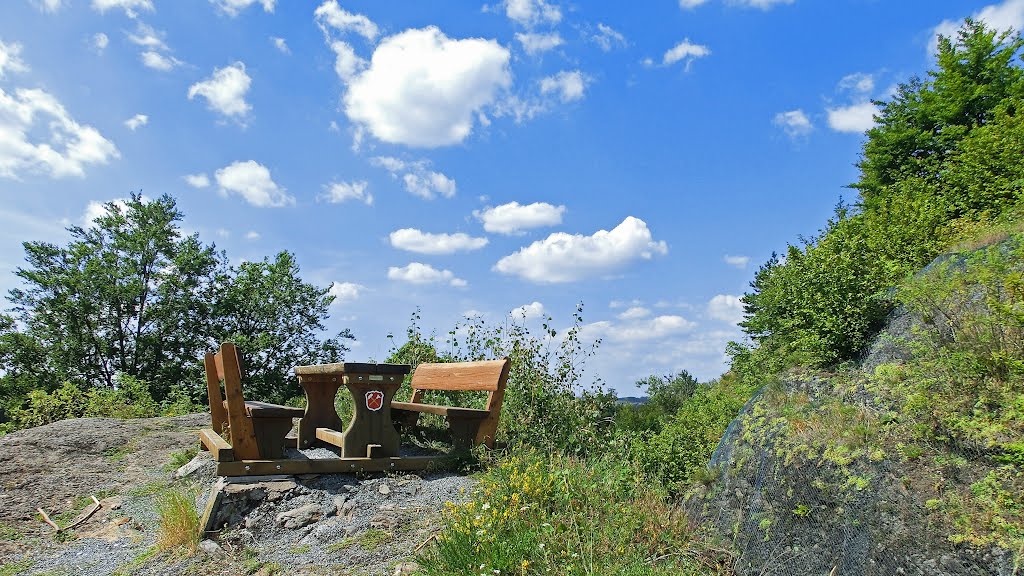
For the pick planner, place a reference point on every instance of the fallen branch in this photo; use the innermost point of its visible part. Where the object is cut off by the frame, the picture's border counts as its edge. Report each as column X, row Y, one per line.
column 85, row 514
column 425, row 542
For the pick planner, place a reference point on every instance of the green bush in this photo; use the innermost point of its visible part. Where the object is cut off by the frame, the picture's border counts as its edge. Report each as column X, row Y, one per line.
column 131, row 399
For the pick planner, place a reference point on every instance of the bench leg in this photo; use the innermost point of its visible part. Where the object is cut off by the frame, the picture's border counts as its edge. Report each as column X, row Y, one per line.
column 270, row 436
column 463, row 432
column 404, row 419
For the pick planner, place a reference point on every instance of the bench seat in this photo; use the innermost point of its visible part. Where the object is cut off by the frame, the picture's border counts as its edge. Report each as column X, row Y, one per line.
column 256, row 409
column 446, row 411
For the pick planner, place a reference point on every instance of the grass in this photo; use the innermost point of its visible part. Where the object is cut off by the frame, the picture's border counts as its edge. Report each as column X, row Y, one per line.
column 16, row 567
column 180, row 458
column 132, row 566
column 9, row 533
column 179, row 521
column 534, row 513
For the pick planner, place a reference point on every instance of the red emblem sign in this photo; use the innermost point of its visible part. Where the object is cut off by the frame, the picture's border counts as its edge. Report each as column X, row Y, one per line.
column 374, row 400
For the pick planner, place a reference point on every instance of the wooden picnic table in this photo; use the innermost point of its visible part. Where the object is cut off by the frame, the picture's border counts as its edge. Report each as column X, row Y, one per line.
column 371, row 432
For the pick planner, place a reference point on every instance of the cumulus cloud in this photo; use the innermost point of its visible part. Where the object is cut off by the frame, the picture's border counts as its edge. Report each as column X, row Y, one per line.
column 569, row 86
column 197, row 180
column 565, row 257
column 129, row 6
column 96, row 209
column 345, row 292
column 855, row 118
column 634, row 313
column 514, row 218
column 686, row 52
column 419, row 273
column 528, row 311
column 690, row 4
column 136, row 121
column 147, row 37
column 234, row 7
column 225, row 90
column 858, row 83
column 762, row 4
column 637, row 330
column 280, row 44
column 727, row 308
column 794, row 123
column 158, row 61
column 251, row 180
column 338, row 192
column 330, row 15
column 607, row 37
column 424, row 89
column 536, row 43
column 414, row 240
column 10, row 58
column 252, row 235
column 38, row 135
column 100, row 41
column 346, row 62
column 736, row 261
column 530, row 13
column 416, row 177
column 1001, row 16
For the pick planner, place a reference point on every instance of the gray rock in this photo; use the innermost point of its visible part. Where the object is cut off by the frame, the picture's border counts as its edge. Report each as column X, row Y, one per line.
column 201, row 462
column 210, row 547
column 406, row 568
column 299, row 517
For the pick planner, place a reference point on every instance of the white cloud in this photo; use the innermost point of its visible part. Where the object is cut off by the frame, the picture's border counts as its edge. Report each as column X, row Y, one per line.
column 565, row 257
column 223, row 232
column 858, row 82
column 414, row 240
column 100, row 41
column 530, row 13
column 685, row 51
column 568, row 85
column 345, row 292
column 96, row 209
column 136, row 121
column 513, row 218
column 726, row 308
column 690, row 4
column 762, row 4
column 158, row 61
column 129, row 6
column 794, row 122
column 252, row 235
column 280, row 44
column 252, row 181
column 234, row 7
column 1008, row 14
column 419, row 273
column 338, row 192
column 51, row 6
column 346, row 63
column 856, row 117
column 429, row 185
column 536, row 43
column 10, row 58
column 395, row 165
column 736, row 261
column 527, row 311
column 634, row 313
column 225, row 90
column 197, row 180
column 38, row 135
column 330, row 14
column 148, row 37
column 424, row 89
column 637, row 330
column 607, row 37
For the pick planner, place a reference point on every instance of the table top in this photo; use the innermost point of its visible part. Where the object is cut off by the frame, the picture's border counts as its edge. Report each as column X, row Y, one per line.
column 341, row 368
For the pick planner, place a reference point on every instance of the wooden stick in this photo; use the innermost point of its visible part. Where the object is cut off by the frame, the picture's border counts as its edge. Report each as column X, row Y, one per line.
column 46, row 519
column 85, row 514
column 425, row 542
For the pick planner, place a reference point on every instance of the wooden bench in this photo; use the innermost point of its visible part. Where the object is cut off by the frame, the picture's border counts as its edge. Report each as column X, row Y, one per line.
column 257, row 429
column 468, row 426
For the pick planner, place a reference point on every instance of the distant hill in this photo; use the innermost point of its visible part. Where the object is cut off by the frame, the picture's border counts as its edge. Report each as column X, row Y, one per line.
column 634, row 400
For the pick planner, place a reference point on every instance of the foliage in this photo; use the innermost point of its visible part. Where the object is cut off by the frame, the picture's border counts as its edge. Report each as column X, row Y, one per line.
column 534, row 514
column 945, row 154
column 179, row 521
column 682, row 448
column 130, row 297
column 665, row 396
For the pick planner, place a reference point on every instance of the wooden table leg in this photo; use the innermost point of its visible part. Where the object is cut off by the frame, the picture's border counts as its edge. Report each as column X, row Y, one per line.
column 371, row 423
column 321, row 392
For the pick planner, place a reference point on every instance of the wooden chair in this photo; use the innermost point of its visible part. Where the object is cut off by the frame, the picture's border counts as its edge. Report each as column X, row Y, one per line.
column 468, row 426
column 257, row 429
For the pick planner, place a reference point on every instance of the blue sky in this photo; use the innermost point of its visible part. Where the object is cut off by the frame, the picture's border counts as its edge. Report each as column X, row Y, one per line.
column 467, row 158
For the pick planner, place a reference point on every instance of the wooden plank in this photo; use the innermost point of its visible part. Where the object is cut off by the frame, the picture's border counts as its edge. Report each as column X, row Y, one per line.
column 482, row 375
column 332, row 437
column 218, row 447
column 489, row 427
column 329, row 466
column 340, row 368
column 243, row 438
column 453, row 411
column 218, row 415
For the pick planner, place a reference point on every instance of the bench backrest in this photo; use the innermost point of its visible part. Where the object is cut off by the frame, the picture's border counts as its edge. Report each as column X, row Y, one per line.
column 225, row 366
column 485, row 376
